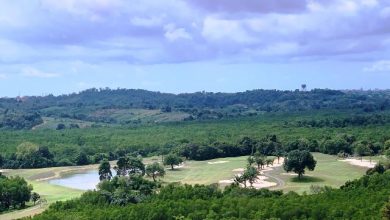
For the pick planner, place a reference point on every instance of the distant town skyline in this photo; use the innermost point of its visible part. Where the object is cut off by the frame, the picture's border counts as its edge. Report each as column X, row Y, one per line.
column 177, row 46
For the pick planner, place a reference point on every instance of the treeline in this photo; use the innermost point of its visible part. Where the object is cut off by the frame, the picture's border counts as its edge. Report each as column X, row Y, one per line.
column 15, row 192
column 365, row 198
column 200, row 105
column 29, row 155
column 357, row 120
column 343, row 145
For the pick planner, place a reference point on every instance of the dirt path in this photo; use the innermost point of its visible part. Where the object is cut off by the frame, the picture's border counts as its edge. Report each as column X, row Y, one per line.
column 280, row 183
column 24, row 213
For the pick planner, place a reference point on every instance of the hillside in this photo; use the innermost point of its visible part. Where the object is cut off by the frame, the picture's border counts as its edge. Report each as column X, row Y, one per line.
column 132, row 107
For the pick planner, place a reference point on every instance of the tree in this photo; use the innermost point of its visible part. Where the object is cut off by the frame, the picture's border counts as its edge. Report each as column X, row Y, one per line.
column 105, row 170
column 35, row 197
column 239, row 179
column 279, row 153
column 172, row 159
column 361, row 150
column 121, row 166
column 154, row 170
column 250, row 160
column 269, row 161
column 298, row 160
column 259, row 160
column 386, row 211
column 387, row 145
column 60, row 127
column 129, row 166
column 250, row 175
column 135, row 166
column 82, row 159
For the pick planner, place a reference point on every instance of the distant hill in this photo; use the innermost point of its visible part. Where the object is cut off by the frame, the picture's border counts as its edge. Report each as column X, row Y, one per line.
column 131, row 106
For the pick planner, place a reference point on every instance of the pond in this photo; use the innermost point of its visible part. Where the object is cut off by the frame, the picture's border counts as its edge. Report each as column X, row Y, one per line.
column 83, row 181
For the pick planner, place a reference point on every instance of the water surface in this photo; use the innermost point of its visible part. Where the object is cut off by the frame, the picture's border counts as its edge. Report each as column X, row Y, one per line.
column 83, row 181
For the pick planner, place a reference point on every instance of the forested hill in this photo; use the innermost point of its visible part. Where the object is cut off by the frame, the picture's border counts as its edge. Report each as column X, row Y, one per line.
column 89, row 104
column 267, row 100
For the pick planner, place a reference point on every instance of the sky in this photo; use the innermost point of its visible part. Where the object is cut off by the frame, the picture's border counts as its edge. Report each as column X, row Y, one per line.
column 57, row 47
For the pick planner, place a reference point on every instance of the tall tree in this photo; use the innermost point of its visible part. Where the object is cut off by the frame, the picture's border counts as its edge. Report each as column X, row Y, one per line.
column 250, row 175
column 172, row 159
column 105, row 170
column 259, row 160
column 135, row 166
column 121, row 166
column 298, row 160
column 154, row 170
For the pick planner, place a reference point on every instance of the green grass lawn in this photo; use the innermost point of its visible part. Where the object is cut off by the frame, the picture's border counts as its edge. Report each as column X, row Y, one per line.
column 50, row 193
column 329, row 171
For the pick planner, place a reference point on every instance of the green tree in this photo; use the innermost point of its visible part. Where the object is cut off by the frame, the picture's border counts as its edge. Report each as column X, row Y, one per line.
column 279, row 153
column 361, row 150
column 298, row 160
column 269, row 161
column 105, row 170
column 386, row 146
column 259, row 160
column 154, row 170
column 121, row 166
column 35, row 197
column 82, row 159
column 60, row 127
column 250, row 175
column 239, row 179
column 172, row 159
column 135, row 166
column 250, row 160
column 386, row 211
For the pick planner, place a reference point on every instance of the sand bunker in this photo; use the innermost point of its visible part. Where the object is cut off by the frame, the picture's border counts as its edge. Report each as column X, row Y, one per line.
column 226, row 181
column 289, row 174
column 179, row 166
column 239, row 170
column 261, row 180
column 218, row 162
column 360, row 163
column 258, row 184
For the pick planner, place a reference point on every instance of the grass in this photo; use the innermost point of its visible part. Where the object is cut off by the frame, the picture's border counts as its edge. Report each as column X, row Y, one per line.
column 328, row 172
column 50, row 193
column 51, row 123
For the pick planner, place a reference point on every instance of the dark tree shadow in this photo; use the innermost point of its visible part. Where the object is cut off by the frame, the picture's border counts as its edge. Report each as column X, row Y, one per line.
column 307, row 179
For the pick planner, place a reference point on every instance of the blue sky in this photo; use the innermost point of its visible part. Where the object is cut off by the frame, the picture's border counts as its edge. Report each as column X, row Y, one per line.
column 51, row 46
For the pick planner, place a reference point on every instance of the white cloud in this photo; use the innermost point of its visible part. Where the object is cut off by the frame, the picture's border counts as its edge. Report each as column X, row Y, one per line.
column 379, row 66
column 32, row 72
column 173, row 34
column 143, row 31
